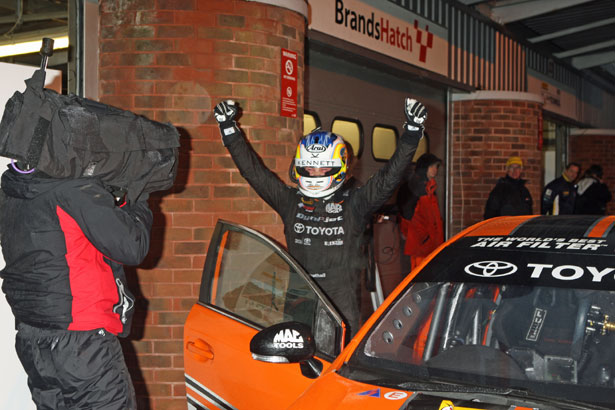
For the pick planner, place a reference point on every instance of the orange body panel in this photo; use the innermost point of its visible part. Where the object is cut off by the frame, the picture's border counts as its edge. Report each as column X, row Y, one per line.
column 232, row 373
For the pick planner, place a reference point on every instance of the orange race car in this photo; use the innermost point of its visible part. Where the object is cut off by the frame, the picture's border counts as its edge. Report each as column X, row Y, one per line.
column 512, row 313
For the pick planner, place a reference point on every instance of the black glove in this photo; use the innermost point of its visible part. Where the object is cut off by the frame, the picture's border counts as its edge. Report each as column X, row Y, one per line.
column 416, row 114
column 225, row 113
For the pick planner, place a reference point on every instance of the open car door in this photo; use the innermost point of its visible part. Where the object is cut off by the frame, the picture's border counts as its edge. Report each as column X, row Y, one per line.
column 250, row 283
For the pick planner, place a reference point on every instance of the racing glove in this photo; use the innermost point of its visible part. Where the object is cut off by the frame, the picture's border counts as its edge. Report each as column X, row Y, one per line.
column 225, row 113
column 416, row 114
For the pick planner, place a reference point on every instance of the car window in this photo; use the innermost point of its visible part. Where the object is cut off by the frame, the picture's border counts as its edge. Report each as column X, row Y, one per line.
column 249, row 278
column 256, row 284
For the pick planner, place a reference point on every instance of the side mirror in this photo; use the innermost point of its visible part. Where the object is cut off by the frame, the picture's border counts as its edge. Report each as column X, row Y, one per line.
column 288, row 342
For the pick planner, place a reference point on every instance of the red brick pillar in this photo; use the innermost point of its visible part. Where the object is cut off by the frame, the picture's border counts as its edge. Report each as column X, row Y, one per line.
column 173, row 60
column 595, row 146
column 487, row 128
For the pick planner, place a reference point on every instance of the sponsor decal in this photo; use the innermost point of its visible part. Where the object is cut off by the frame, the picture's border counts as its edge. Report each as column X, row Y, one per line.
column 568, row 272
column 318, row 230
column 581, row 244
column 306, row 207
column 538, row 321
column 288, row 339
column 316, row 148
column 333, row 208
column 395, row 395
column 337, row 242
column 307, row 241
column 496, row 269
column 318, row 163
column 318, row 275
column 447, row 405
column 490, row 269
column 313, row 218
column 371, row 393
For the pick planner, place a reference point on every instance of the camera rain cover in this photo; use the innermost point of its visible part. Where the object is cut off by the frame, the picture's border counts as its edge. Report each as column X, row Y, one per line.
column 67, row 136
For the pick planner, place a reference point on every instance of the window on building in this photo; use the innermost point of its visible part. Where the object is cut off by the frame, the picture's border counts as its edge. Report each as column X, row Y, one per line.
column 384, row 142
column 351, row 131
column 310, row 122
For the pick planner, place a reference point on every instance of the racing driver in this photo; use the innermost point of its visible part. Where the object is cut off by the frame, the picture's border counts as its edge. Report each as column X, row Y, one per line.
column 325, row 219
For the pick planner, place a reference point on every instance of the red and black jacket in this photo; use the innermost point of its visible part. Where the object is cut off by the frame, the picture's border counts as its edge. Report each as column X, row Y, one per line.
column 64, row 242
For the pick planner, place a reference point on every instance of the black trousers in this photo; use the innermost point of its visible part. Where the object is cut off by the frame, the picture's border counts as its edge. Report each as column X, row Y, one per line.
column 75, row 369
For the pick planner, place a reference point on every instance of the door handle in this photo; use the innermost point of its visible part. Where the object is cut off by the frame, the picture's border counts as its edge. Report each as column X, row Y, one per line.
column 200, row 349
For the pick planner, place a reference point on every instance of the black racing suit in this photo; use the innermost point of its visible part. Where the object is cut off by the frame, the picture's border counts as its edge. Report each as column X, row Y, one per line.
column 325, row 235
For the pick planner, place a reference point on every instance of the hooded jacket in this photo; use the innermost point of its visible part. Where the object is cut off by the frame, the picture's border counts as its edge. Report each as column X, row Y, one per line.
column 592, row 197
column 421, row 221
column 64, row 242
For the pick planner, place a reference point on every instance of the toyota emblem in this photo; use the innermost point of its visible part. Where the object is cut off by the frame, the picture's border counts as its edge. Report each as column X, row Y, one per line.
column 490, row 269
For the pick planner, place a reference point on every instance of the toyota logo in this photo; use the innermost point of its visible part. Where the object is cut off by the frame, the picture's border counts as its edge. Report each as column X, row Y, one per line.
column 490, row 269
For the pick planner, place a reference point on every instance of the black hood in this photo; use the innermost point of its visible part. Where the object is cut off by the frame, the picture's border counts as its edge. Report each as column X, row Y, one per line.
column 425, row 161
column 27, row 186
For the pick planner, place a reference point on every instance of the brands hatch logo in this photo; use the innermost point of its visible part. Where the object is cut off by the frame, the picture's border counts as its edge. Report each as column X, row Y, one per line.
column 490, row 269
column 288, row 339
column 316, row 148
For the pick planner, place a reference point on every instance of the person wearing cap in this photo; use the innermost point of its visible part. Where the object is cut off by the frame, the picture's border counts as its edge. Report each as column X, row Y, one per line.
column 510, row 195
column 559, row 195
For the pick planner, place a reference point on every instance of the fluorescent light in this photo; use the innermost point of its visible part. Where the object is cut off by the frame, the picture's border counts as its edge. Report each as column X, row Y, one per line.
column 31, row 47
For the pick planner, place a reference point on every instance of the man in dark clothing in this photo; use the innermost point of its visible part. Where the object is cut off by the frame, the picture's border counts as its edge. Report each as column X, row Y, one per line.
column 592, row 193
column 325, row 219
column 560, row 194
column 509, row 196
column 64, row 242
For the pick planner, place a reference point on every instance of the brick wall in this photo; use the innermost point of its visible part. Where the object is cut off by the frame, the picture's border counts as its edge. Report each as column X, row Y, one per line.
column 173, row 60
column 485, row 133
column 589, row 148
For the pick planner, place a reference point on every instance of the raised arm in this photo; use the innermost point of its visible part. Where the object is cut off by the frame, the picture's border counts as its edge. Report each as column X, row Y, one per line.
column 382, row 184
column 265, row 182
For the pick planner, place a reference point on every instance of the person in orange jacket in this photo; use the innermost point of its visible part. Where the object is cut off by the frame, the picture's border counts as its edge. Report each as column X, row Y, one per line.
column 421, row 221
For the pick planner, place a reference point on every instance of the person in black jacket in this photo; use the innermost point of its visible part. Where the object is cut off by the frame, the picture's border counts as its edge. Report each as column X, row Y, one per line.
column 64, row 242
column 592, row 193
column 559, row 195
column 325, row 219
column 509, row 196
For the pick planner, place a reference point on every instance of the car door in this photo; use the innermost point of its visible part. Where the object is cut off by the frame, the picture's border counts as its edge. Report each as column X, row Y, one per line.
column 249, row 283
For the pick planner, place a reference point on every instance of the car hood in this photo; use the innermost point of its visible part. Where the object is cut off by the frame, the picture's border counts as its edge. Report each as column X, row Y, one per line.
column 333, row 391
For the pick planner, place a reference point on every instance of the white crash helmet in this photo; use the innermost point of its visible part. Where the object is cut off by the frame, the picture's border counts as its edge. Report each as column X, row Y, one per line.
column 320, row 150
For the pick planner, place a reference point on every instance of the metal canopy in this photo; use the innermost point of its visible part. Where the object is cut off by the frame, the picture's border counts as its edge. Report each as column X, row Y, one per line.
column 580, row 32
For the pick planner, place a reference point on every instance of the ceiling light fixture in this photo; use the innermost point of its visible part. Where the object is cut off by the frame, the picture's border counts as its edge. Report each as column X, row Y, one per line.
column 31, row 47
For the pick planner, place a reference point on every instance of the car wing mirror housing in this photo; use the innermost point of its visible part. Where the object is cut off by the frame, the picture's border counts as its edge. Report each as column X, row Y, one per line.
column 288, row 342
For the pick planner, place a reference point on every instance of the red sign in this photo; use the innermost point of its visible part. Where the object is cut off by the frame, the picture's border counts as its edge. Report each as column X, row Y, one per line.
column 288, row 87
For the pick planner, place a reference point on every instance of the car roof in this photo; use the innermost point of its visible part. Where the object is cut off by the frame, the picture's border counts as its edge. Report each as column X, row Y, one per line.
column 564, row 251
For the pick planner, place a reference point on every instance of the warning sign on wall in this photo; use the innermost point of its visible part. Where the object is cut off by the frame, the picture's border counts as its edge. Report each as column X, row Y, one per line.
column 288, row 89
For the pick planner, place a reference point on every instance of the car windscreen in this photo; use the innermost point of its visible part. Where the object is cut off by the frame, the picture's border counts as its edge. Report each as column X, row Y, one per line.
column 523, row 314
